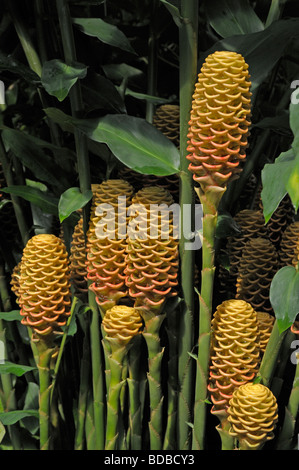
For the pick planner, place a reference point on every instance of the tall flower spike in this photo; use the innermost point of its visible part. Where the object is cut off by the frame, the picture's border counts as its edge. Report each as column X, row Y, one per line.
column 258, row 265
column 289, row 246
column 251, row 224
column 235, row 352
column 152, row 261
column 220, row 118
column 44, row 294
column 78, row 260
column 265, row 323
column 253, row 414
column 121, row 323
column 106, row 241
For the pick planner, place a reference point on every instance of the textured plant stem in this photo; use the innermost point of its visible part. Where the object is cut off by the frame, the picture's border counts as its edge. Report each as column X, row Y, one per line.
column 76, row 102
column 135, row 381
column 98, row 379
column 44, row 370
column 287, row 434
column 270, row 357
column 151, row 333
column 116, row 359
column 188, row 33
column 210, row 200
column 21, row 220
column 152, row 61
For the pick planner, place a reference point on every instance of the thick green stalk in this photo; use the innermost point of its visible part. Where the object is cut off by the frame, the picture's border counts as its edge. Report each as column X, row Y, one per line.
column 45, row 385
column 21, row 220
column 287, row 436
column 76, row 102
column 135, row 381
column 188, row 33
column 116, row 359
column 270, row 357
column 151, row 333
column 210, row 200
column 152, row 61
column 98, row 379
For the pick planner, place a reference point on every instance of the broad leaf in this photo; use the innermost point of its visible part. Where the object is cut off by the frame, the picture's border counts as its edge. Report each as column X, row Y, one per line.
column 72, row 200
column 275, row 177
column 100, row 93
column 261, row 50
column 230, row 17
column 174, row 11
column 15, row 369
column 135, row 142
column 34, row 158
column 45, row 201
column 120, row 72
column 17, row 68
column 284, row 296
column 11, row 316
column 58, row 78
column 11, row 417
column 105, row 32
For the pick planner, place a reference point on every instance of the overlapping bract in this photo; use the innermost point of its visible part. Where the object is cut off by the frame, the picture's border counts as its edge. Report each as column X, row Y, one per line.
column 78, row 260
column 235, row 352
column 220, row 118
column 253, row 414
column 122, row 323
column 44, row 285
column 265, row 323
column 106, row 241
column 289, row 246
column 258, row 265
column 167, row 120
column 152, row 261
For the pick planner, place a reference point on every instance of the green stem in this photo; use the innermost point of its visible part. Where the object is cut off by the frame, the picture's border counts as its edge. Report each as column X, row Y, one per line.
column 116, row 360
column 98, row 378
column 270, row 357
column 135, row 381
column 188, row 33
column 76, row 102
column 155, row 355
column 21, row 220
column 152, row 61
column 210, row 201
column 44, row 370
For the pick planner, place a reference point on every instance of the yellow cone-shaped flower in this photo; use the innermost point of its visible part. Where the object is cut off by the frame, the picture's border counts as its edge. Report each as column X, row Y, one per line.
column 253, row 414
column 78, row 260
column 152, row 251
column 44, row 285
column 106, row 241
column 235, row 352
column 122, row 323
column 265, row 323
column 220, row 118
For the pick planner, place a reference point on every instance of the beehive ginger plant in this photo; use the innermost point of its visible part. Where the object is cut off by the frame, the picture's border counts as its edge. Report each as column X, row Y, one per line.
column 217, row 140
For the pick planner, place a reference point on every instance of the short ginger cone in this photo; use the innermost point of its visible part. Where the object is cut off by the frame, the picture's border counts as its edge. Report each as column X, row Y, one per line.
column 106, row 241
column 44, row 286
column 220, row 119
column 235, row 352
column 253, row 414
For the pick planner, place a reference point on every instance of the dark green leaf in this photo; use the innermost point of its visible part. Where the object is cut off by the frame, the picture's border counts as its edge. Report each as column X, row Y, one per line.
column 284, row 296
column 16, row 369
column 135, row 142
column 275, row 177
column 226, row 226
column 16, row 67
column 120, row 72
column 33, row 157
column 72, row 200
column 58, row 78
column 46, row 202
column 105, row 32
column 11, row 316
column 174, row 11
column 230, row 17
column 11, row 417
column 261, row 50
column 100, row 93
